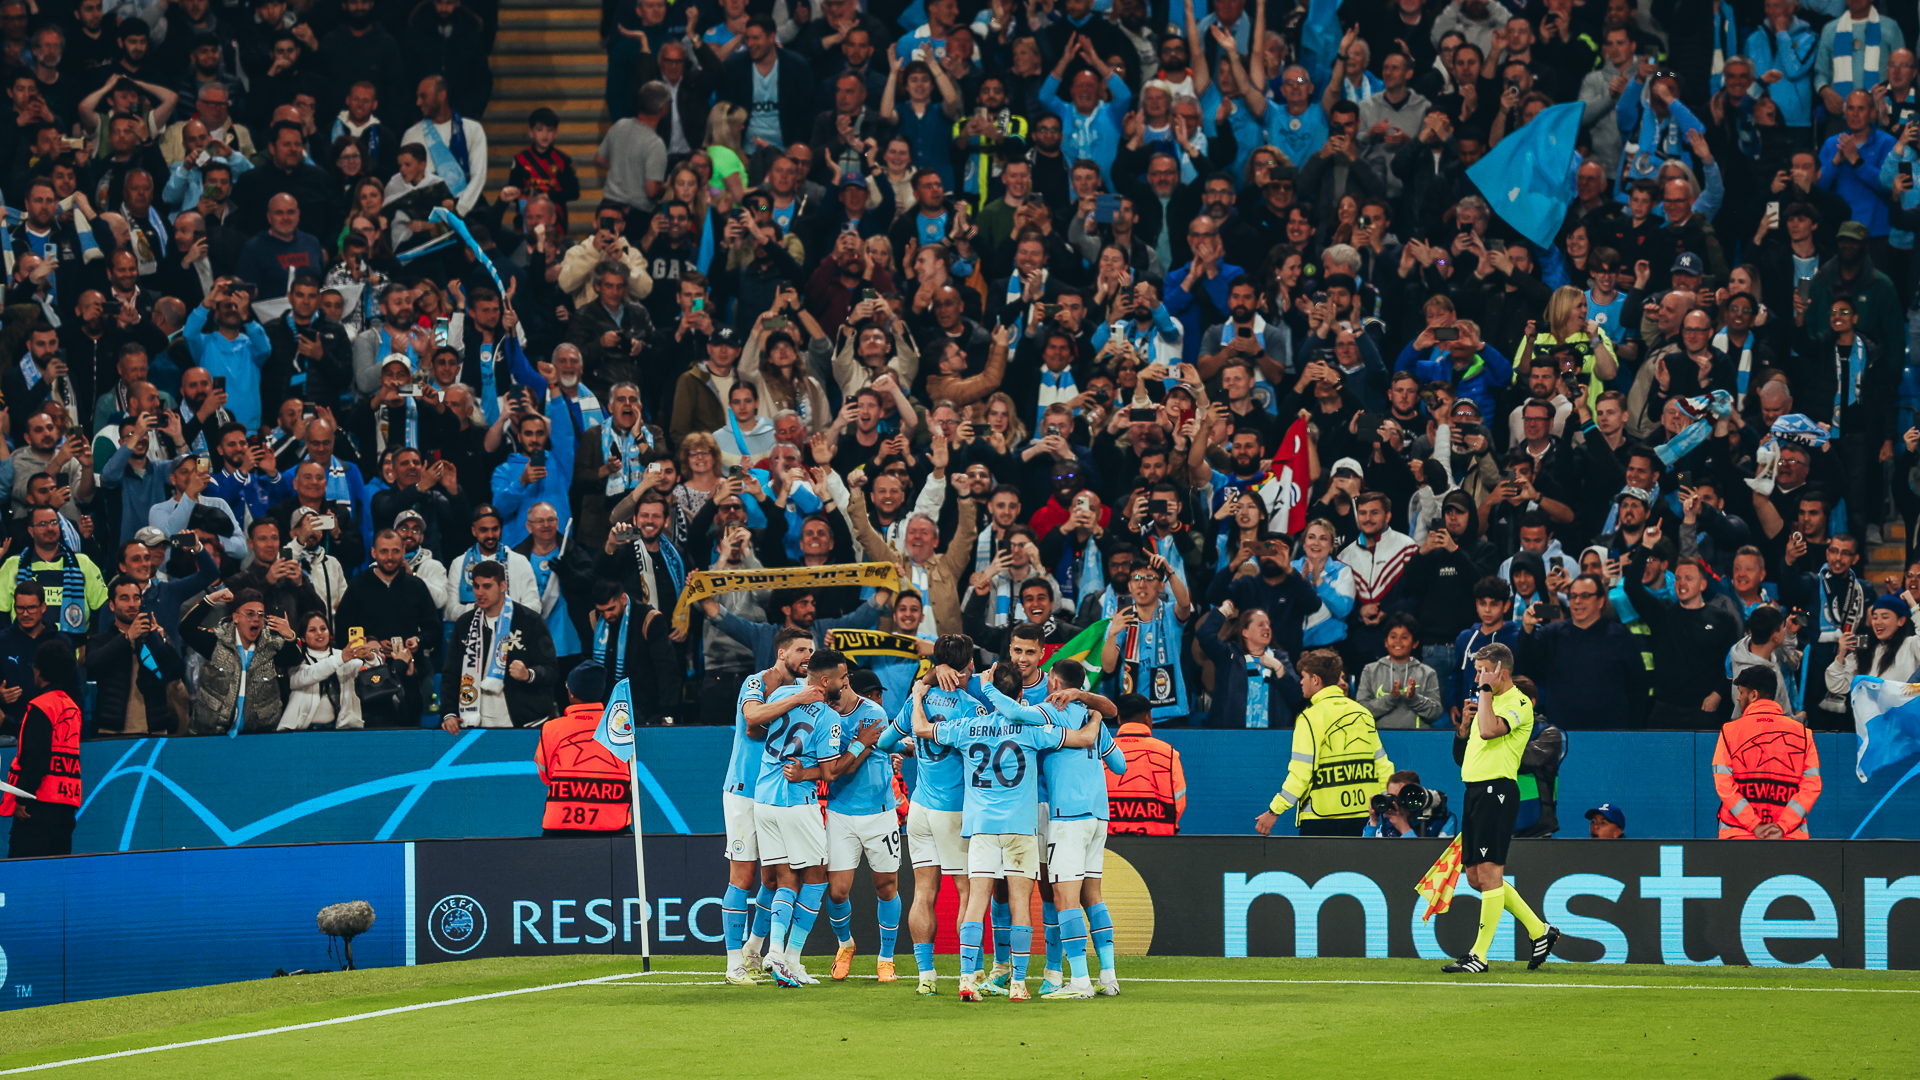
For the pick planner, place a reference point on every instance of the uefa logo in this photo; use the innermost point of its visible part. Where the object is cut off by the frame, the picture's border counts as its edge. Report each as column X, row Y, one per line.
column 457, row 924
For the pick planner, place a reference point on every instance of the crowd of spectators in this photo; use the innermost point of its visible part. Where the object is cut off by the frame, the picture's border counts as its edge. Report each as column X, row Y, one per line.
column 1185, row 322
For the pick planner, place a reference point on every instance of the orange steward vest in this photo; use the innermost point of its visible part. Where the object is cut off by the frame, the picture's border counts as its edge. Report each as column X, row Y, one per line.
column 62, row 782
column 587, row 787
column 1765, row 769
column 1149, row 798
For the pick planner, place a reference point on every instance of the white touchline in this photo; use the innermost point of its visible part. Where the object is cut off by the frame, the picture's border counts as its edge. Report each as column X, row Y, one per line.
column 614, row 980
column 397, row 1010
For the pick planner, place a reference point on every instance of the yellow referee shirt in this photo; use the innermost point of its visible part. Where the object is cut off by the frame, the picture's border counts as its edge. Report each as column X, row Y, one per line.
column 1498, row 758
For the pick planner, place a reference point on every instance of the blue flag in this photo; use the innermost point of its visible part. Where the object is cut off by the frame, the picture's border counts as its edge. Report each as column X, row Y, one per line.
column 616, row 723
column 1319, row 40
column 1528, row 177
column 1886, row 716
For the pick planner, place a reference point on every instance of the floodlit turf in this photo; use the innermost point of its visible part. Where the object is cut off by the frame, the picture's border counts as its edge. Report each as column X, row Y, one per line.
column 1210, row 1019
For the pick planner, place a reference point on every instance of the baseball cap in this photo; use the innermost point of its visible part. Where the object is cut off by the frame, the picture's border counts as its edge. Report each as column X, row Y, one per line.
column 863, row 681
column 1347, row 464
column 485, row 511
column 1689, row 263
column 853, row 180
column 1610, row 812
column 1853, row 230
column 151, row 536
column 409, row 515
column 396, row 358
column 725, row 335
column 1642, row 494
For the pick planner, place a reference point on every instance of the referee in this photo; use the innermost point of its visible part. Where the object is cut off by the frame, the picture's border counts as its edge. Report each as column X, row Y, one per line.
column 1502, row 725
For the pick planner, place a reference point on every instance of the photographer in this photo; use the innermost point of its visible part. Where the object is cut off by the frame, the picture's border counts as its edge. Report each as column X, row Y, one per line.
column 580, row 269
column 609, row 329
column 1407, row 809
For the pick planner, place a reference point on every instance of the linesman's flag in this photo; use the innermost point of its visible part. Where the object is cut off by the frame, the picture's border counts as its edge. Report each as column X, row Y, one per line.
column 1439, row 881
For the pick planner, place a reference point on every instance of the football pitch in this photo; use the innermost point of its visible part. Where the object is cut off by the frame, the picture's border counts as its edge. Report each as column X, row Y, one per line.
column 574, row 1017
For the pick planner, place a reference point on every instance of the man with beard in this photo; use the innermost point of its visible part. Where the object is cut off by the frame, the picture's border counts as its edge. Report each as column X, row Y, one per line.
column 42, row 374
column 1052, row 181
column 1246, row 337
column 312, row 357
column 537, row 472
column 933, row 573
column 387, row 601
column 836, row 284
column 281, row 579
column 44, row 235
column 286, row 172
column 386, row 335
column 186, row 270
column 795, row 607
column 520, row 583
column 488, row 346
column 246, row 479
column 644, row 556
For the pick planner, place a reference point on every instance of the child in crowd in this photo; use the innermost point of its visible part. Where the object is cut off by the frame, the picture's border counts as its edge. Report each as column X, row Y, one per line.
column 542, row 169
column 1397, row 689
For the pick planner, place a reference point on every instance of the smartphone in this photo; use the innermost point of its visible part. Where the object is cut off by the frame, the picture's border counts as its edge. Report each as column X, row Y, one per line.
column 220, row 383
column 1244, row 331
column 1050, row 311
column 325, row 522
column 735, row 472
column 1773, row 212
column 408, row 389
column 1368, row 427
column 1104, row 207
column 1469, row 430
column 308, row 411
column 1906, row 169
column 1446, row 333
column 869, row 294
column 537, row 459
column 699, row 303
column 1320, row 296
column 1142, row 416
column 1546, row 611
column 1684, row 479
column 778, row 322
column 1366, row 221
column 356, row 637
column 1804, row 288
column 440, row 330
column 1159, row 506
column 206, row 467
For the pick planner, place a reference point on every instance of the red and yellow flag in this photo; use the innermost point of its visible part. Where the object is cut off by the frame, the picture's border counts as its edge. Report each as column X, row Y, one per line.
column 1440, row 880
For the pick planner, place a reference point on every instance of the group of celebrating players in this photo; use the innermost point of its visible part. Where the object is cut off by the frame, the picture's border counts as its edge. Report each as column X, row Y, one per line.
column 1011, row 775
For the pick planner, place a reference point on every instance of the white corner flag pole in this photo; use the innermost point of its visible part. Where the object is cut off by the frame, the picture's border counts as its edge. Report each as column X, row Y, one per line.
column 640, row 864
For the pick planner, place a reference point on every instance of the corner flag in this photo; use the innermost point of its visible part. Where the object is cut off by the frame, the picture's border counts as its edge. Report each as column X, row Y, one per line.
column 616, row 723
column 1528, row 176
column 1437, row 885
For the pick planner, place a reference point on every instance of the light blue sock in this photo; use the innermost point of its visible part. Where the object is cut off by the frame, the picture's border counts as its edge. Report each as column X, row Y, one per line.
column 923, row 956
column 782, row 919
column 889, row 926
column 1020, row 939
column 1100, row 921
column 733, row 917
column 805, row 910
column 763, row 913
column 1073, row 939
column 1002, row 923
column 1050, row 919
column 970, row 935
column 840, row 917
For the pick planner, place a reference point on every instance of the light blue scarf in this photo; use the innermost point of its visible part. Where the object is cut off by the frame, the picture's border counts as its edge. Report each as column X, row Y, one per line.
column 618, row 664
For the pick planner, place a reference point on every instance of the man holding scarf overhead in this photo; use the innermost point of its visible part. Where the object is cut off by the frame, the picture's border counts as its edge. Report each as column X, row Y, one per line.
column 500, row 668
column 1853, row 54
column 70, row 582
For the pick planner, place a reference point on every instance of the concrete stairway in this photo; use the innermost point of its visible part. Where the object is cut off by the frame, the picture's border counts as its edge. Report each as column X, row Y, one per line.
column 548, row 53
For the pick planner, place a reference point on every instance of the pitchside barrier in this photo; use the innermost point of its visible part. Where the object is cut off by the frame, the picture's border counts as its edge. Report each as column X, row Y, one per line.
column 317, row 787
column 91, row 926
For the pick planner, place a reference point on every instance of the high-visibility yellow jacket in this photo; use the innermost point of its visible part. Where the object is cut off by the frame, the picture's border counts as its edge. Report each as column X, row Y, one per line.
column 1338, row 763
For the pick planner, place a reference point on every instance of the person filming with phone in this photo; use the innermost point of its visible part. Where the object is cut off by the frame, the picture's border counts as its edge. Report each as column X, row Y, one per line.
column 1587, row 666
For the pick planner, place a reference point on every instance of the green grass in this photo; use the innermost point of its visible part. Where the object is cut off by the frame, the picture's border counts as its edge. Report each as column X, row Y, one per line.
column 1520, row 1025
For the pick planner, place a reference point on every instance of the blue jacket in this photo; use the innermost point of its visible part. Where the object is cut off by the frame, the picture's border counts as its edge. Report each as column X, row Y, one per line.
column 239, row 361
column 514, row 499
column 254, row 494
column 758, row 636
column 1791, row 54
column 1482, row 384
column 1860, row 184
column 1186, row 307
column 138, row 494
column 1659, row 141
column 1096, row 137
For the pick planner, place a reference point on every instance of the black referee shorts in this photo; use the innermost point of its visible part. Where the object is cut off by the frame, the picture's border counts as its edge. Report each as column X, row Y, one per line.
column 1486, row 821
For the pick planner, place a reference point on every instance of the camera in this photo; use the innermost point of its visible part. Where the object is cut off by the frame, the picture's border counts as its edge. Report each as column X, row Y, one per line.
column 1421, row 805
column 1446, row 333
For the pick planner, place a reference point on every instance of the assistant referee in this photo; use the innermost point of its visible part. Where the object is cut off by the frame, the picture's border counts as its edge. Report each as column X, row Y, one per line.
column 1502, row 725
